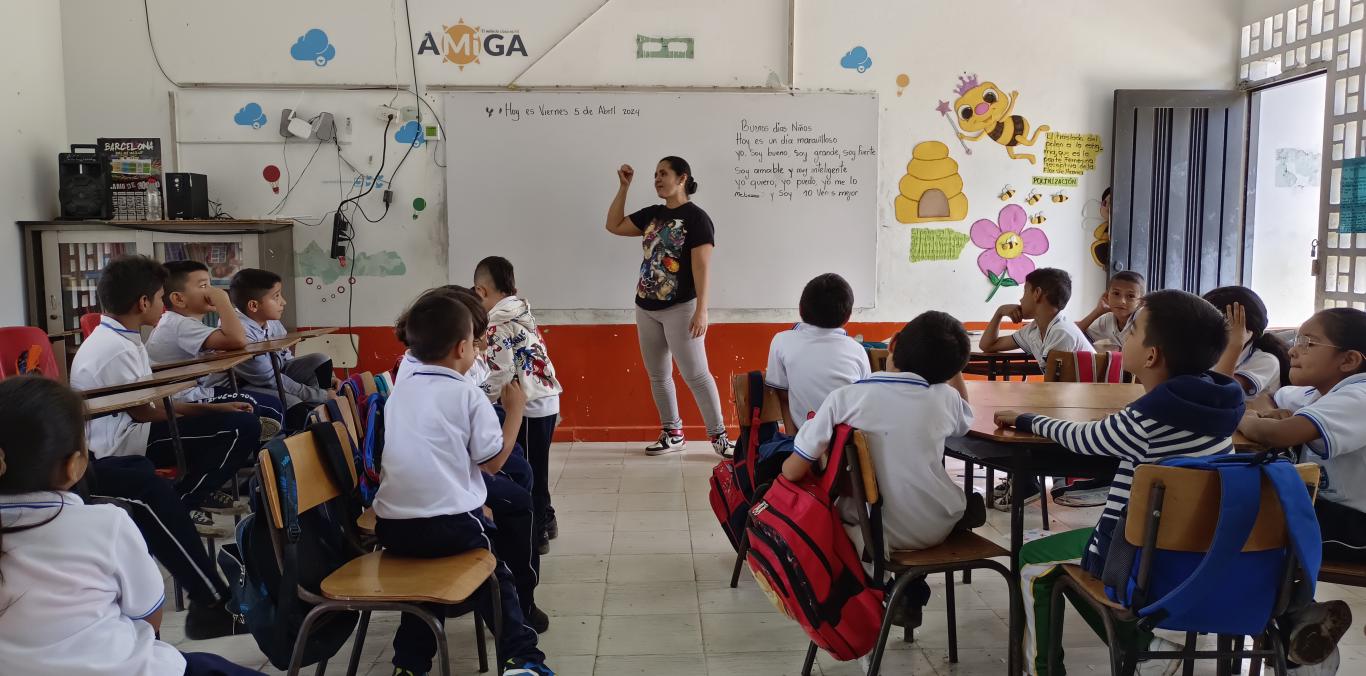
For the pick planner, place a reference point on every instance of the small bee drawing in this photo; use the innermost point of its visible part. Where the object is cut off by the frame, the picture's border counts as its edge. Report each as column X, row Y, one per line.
column 1034, row 197
column 1007, row 193
column 1059, row 197
column 1038, row 219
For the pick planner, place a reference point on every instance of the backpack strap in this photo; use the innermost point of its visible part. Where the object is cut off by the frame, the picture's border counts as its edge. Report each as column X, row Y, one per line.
column 755, row 386
column 338, row 463
column 1085, row 365
column 1240, row 485
column 1301, row 523
column 825, row 479
column 1114, row 367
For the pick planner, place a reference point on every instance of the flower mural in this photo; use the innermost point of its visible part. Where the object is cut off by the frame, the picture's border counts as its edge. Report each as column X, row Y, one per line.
column 1007, row 246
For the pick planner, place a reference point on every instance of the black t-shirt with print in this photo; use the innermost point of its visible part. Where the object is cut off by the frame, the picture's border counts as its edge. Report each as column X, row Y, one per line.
column 670, row 236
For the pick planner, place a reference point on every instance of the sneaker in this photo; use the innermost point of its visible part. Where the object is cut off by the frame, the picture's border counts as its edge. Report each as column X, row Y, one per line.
column 552, row 529
column 721, row 444
column 974, row 515
column 1160, row 666
column 1327, row 667
column 513, row 668
column 1315, row 631
column 219, row 502
column 400, row 671
column 543, row 545
column 1031, row 496
column 205, row 621
column 670, row 441
column 269, row 428
column 1094, row 497
column 201, row 518
column 538, row 620
column 908, row 615
column 1000, row 490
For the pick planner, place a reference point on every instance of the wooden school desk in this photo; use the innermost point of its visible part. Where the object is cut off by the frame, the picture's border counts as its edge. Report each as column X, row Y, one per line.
column 1000, row 364
column 109, row 404
column 297, row 336
column 179, row 374
column 1027, row 455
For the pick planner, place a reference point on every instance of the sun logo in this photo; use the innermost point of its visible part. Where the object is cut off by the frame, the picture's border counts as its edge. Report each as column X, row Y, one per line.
column 460, row 44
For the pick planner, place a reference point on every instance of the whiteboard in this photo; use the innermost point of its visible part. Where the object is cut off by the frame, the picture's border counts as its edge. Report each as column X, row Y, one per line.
column 790, row 182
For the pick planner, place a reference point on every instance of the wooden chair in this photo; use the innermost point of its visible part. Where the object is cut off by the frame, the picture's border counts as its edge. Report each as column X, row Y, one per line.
column 770, row 411
column 375, row 580
column 1180, row 511
column 962, row 551
column 1061, row 366
column 877, row 358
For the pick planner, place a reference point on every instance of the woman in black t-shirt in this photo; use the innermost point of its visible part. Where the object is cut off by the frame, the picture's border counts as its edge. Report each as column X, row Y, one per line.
column 671, row 297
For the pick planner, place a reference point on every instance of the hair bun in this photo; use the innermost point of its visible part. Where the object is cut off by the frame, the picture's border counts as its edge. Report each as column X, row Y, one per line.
column 690, row 186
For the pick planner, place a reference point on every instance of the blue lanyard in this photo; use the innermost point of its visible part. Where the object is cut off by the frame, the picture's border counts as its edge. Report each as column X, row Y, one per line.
column 119, row 330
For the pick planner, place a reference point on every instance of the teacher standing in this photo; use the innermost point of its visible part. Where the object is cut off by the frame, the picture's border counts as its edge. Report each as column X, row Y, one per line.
column 671, row 298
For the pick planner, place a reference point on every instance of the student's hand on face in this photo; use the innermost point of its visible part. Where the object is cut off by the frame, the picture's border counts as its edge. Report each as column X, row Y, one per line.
column 1102, row 305
column 1010, row 311
column 512, row 396
column 1006, row 418
column 625, row 174
column 1237, row 325
column 217, row 298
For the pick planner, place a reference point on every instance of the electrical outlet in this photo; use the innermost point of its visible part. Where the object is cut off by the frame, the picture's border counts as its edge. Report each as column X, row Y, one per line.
column 386, row 112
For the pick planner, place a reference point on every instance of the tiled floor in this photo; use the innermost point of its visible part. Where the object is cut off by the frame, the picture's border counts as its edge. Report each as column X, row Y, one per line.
column 637, row 583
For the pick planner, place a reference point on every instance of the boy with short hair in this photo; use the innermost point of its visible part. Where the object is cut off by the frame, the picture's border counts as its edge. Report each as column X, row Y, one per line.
column 182, row 334
column 1046, row 292
column 815, row 357
column 1188, row 410
column 906, row 413
column 440, row 433
column 217, row 438
column 259, row 298
column 1112, row 318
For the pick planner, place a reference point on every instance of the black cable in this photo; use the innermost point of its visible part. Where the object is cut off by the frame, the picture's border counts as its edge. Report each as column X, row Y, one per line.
column 296, row 183
column 383, row 157
column 394, row 177
column 440, row 126
column 412, row 56
column 147, row 17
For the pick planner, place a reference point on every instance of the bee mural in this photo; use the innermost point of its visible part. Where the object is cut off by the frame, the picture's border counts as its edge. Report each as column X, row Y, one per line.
column 1059, row 197
column 1007, row 193
column 984, row 110
column 1033, row 197
column 1038, row 218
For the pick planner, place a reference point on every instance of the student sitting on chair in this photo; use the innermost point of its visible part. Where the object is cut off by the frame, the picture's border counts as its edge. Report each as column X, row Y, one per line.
column 80, row 594
column 217, row 439
column 1320, row 415
column 906, row 413
column 1113, row 317
column 440, row 432
column 182, row 334
column 814, row 358
column 1256, row 359
column 509, row 489
column 1188, row 410
column 308, row 381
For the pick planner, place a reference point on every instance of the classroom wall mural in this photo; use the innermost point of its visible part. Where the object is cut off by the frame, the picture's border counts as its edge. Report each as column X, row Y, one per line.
column 931, row 189
column 314, row 46
column 250, row 115
column 856, row 59
column 984, row 110
column 1007, row 247
column 326, row 279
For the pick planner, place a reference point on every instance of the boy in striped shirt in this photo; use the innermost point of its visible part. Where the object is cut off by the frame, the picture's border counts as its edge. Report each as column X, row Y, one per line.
column 1188, row 410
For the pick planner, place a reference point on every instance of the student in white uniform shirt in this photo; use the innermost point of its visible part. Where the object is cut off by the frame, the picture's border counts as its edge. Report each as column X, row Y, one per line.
column 816, row 357
column 1113, row 317
column 1256, row 359
column 1046, row 292
column 440, row 436
column 182, row 334
column 906, row 414
column 80, row 594
column 1320, row 414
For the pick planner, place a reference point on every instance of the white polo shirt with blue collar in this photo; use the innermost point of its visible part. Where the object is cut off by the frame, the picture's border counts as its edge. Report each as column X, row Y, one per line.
column 112, row 355
column 438, row 429
column 1341, row 447
column 905, row 420
column 810, row 362
column 1261, row 369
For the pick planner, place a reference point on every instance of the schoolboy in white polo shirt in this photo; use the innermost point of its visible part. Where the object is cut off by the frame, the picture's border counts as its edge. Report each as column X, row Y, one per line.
column 906, row 413
column 80, row 594
column 439, row 434
column 216, row 438
column 816, row 357
column 1113, row 317
column 1046, row 292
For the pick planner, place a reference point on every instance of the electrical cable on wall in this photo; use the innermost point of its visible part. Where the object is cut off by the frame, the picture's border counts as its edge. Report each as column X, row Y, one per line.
column 147, row 17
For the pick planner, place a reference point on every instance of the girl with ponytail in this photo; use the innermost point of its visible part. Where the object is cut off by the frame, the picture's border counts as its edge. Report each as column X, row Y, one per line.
column 1258, row 360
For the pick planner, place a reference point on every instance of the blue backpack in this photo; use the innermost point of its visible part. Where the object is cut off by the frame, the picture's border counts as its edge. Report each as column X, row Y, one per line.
column 371, row 450
column 1224, row 590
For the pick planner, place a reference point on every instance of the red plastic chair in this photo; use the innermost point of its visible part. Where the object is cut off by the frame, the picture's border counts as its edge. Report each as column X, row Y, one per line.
column 26, row 350
column 89, row 321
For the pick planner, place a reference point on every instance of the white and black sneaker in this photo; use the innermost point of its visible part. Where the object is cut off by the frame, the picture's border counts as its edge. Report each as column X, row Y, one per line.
column 670, row 441
column 270, row 427
column 722, row 445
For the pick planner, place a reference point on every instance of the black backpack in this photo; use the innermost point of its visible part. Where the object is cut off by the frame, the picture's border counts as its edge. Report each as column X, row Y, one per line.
column 264, row 592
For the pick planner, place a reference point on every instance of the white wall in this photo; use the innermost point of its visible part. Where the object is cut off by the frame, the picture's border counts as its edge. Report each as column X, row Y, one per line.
column 1065, row 57
column 32, row 132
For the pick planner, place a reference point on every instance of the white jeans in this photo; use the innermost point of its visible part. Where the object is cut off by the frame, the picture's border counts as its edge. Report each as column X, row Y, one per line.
column 664, row 338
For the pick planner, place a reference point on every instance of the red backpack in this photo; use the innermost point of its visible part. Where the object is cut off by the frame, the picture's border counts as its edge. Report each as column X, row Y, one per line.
column 732, row 482
column 803, row 559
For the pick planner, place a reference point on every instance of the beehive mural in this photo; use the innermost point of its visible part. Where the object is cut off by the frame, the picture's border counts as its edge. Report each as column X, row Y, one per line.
column 931, row 190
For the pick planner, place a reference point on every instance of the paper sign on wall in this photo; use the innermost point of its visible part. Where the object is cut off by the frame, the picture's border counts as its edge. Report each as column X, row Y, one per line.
column 936, row 244
column 1070, row 153
column 1056, row 181
column 1352, row 209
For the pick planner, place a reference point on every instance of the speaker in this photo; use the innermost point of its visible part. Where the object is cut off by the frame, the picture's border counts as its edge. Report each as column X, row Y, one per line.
column 187, row 196
column 83, row 183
